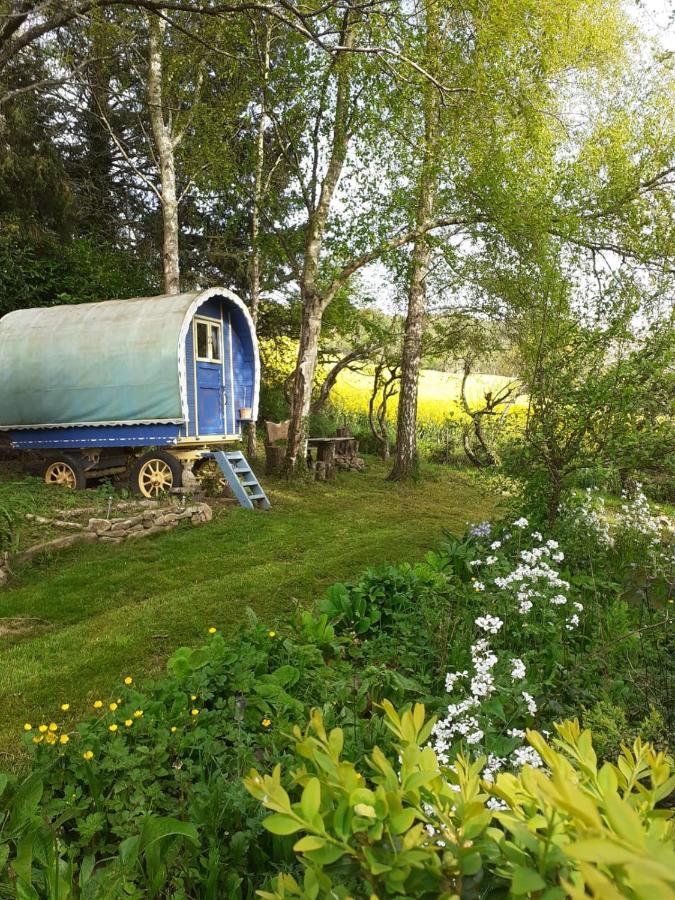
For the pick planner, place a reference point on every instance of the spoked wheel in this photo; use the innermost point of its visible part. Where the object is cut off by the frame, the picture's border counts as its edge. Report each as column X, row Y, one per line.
column 155, row 474
column 210, row 477
column 66, row 471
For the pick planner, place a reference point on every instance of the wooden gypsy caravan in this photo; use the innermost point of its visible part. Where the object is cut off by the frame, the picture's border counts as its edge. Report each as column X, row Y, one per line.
column 150, row 384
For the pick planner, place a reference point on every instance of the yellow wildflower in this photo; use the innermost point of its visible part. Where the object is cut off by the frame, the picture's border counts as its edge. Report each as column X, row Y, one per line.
column 27, row 727
column 112, row 707
column 88, row 754
column 112, row 727
column 212, row 630
column 65, row 707
column 128, row 680
column 272, row 633
column 42, row 728
column 193, row 696
column 128, row 722
column 138, row 713
column 36, row 739
column 51, row 737
column 194, row 712
column 64, row 739
column 98, row 704
column 53, row 726
column 266, row 723
column 172, row 729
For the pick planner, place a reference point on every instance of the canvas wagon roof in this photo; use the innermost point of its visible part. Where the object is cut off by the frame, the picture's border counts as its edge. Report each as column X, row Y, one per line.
column 111, row 362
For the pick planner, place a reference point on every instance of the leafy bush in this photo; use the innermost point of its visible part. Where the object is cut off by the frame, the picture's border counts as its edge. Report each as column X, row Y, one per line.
column 409, row 825
column 495, row 633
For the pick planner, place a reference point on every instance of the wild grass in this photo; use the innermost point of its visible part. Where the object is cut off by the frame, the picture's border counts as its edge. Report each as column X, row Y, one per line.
column 96, row 612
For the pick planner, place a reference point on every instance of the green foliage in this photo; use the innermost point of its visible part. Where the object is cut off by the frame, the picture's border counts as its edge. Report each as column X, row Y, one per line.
column 144, row 797
column 417, row 828
column 41, row 272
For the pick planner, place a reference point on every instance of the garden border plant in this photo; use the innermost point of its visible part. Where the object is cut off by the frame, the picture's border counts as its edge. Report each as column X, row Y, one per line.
column 146, row 798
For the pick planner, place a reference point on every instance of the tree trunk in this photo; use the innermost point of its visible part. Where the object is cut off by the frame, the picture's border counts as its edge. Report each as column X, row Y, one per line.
column 166, row 145
column 310, row 329
column 313, row 303
column 405, row 462
column 254, row 268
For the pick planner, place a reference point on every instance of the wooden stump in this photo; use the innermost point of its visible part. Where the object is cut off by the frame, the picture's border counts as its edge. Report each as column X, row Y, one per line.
column 326, row 455
column 274, row 458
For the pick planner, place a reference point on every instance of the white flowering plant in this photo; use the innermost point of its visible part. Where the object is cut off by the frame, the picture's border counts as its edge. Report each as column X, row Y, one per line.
column 520, row 624
column 642, row 538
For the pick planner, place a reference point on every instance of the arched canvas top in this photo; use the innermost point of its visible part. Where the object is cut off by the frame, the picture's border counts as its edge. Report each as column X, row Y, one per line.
column 112, row 362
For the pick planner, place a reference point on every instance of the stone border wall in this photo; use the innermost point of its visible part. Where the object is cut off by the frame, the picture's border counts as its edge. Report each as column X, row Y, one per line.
column 114, row 531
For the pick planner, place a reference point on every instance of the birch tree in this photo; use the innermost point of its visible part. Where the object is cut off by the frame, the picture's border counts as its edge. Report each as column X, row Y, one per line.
column 167, row 139
column 406, row 431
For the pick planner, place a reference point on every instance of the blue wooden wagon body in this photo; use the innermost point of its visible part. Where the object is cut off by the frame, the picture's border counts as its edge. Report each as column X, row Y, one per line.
column 90, row 387
column 149, row 371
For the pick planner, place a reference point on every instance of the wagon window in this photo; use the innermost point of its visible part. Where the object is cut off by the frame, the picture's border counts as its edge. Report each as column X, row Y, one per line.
column 215, row 342
column 202, row 340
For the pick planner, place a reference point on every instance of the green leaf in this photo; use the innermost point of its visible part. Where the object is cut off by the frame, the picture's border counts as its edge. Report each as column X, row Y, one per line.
column 25, row 802
column 310, row 801
column 525, row 881
column 402, row 821
column 310, row 842
column 325, row 856
column 156, row 828
column 280, row 824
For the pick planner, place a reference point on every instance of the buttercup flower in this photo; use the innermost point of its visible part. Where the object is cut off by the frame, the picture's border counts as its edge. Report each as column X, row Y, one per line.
column 112, row 727
column 98, row 704
column 128, row 722
column 64, row 739
column 50, row 737
column 194, row 712
column 37, row 739
column 128, row 680
column 88, row 754
column 272, row 634
column 266, row 723
column 212, row 630
column 65, row 707
column 138, row 713
column 112, row 707
column 27, row 727
column 53, row 726
column 172, row 729
column 193, row 697
column 42, row 728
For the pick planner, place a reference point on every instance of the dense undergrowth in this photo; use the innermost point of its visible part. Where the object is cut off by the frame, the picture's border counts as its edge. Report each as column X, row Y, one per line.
column 463, row 793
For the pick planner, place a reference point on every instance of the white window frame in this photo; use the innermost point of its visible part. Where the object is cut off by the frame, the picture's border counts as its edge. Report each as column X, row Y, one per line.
column 210, row 325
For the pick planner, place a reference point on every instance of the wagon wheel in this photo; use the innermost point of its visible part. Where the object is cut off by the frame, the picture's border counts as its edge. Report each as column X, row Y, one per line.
column 155, row 474
column 65, row 471
column 210, row 477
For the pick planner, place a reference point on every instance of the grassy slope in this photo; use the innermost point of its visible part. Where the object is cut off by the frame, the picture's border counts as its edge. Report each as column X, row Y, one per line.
column 109, row 610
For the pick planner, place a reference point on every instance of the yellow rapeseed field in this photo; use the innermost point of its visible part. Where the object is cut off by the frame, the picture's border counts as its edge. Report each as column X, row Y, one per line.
column 439, row 394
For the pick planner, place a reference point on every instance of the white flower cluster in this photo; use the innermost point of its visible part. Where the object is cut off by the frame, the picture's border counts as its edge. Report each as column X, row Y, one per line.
column 491, row 624
column 636, row 517
column 535, row 579
column 517, row 669
column 466, row 719
column 589, row 517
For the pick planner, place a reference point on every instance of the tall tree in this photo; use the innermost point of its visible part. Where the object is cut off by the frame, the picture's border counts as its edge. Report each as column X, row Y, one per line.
column 427, row 185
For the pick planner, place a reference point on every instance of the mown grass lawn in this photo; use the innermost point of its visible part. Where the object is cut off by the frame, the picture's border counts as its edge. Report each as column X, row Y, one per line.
column 99, row 612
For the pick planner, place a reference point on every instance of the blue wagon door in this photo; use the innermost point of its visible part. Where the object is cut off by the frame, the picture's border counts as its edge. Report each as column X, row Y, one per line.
column 209, row 372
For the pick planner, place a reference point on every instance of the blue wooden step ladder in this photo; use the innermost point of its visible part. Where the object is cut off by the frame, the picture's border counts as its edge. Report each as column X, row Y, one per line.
column 241, row 478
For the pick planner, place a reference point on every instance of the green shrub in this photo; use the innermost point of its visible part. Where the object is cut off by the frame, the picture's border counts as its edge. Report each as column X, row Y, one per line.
column 405, row 825
column 145, row 797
